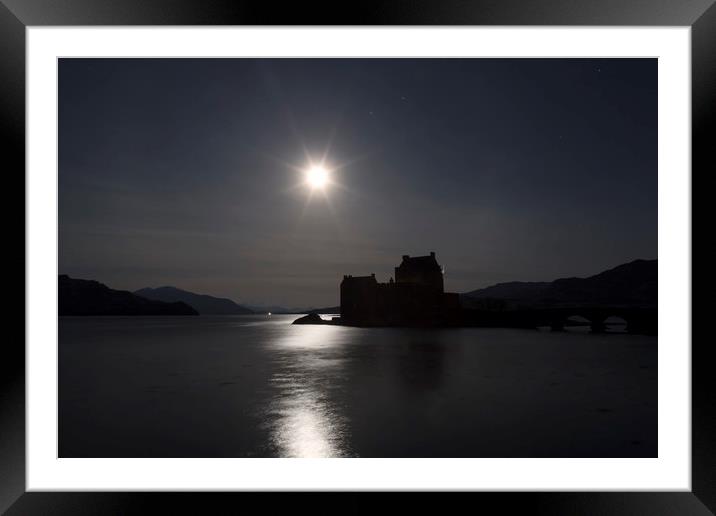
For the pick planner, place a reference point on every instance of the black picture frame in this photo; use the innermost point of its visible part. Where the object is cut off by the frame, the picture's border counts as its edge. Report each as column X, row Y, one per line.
column 16, row 15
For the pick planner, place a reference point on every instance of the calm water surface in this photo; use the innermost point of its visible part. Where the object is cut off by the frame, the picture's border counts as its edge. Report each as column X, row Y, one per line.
column 257, row 386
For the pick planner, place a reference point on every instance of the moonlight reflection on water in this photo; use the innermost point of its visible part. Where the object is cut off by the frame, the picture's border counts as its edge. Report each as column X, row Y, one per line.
column 303, row 421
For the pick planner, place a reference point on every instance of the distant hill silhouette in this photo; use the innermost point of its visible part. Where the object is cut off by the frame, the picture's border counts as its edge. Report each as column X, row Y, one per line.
column 328, row 310
column 88, row 297
column 282, row 310
column 630, row 284
column 274, row 309
column 202, row 303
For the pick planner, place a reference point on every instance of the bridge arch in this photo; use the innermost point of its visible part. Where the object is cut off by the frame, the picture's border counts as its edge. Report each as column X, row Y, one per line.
column 603, row 319
column 576, row 323
column 616, row 324
column 578, row 320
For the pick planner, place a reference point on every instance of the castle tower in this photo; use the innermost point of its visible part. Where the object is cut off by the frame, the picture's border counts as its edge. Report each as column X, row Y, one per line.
column 420, row 270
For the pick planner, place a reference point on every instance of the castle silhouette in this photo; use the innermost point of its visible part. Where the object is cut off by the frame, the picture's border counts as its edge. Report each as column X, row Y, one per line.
column 415, row 298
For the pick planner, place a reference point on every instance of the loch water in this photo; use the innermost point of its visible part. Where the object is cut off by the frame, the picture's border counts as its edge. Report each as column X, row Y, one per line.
column 258, row 386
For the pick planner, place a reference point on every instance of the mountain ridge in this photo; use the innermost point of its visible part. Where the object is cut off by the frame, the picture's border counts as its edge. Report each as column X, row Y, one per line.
column 202, row 303
column 90, row 297
column 634, row 283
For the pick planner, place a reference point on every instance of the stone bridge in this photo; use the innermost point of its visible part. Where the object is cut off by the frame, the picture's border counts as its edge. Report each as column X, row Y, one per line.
column 642, row 320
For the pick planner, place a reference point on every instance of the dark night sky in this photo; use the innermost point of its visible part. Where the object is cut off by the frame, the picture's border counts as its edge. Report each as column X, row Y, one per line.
column 181, row 172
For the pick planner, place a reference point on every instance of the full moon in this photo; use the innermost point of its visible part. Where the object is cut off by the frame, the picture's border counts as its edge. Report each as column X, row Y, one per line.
column 317, row 177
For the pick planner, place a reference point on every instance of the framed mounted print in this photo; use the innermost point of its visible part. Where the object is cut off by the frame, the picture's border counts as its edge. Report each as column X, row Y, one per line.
column 380, row 254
